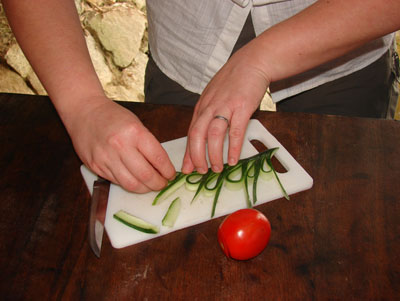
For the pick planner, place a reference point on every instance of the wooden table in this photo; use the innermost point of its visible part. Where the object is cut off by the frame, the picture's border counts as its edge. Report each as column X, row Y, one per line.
column 339, row 240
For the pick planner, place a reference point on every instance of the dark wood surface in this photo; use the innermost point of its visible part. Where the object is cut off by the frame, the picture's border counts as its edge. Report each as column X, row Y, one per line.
column 339, row 240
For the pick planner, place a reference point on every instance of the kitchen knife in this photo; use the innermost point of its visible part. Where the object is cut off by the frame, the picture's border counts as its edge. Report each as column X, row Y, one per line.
column 98, row 208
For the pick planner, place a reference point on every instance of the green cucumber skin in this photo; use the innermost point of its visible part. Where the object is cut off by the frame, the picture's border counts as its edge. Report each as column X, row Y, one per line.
column 193, row 185
column 204, row 181
column 202, row 184
column 172, row 213
column 218, row 187
column 279, row 181
column 152, row 229
column 179, row 180
column 257, row 168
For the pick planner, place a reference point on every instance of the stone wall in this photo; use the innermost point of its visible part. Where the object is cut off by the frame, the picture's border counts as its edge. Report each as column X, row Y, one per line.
column 116, row 35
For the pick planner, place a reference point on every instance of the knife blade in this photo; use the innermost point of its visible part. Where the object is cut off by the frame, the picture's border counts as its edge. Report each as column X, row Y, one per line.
column 98, row 208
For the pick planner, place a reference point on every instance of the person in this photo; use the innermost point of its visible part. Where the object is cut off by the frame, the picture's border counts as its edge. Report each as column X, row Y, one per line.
column 299, row 45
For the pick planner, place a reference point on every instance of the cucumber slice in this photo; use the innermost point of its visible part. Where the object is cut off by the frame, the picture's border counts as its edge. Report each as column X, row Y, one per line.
column 218, row 187
column 173, row 185
column 244, row 175
column 234, row 179
column 193, row 181
column 247, row 180
column 211, row 184
column 202, row 184
column 135, row 222
column 172, row 213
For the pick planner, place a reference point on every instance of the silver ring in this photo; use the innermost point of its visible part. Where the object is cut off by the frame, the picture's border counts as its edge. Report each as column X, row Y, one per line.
column 222, row 118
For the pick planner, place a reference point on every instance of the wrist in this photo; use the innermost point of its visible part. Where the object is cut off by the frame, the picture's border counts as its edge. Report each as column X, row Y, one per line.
column 75, row 108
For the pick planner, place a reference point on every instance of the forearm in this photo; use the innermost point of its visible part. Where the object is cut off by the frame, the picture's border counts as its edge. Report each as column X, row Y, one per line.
column 50, row 34
column 322, row 32
column 108, row 138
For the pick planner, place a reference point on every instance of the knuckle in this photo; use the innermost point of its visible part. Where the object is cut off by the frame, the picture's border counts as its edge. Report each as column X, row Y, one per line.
column 160, row 159
column 170, row 173
column 131, row 129
column 160, row 185
column 117, row 139
column 131, row 184
column 235, row 149
column 194, row 132
column 94, row 166
column 146, row 175
column 235, row 133
column 215, row 131
column 96, row 161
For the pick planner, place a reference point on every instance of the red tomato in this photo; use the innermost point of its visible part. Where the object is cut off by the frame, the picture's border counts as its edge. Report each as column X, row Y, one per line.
column 244, row 234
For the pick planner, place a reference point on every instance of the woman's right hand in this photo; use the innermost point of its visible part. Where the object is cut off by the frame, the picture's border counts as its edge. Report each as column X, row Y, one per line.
column 109, row 139
column 113, row 143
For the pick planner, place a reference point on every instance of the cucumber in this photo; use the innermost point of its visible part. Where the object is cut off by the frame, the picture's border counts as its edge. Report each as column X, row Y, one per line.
column 243, row 175
column 193, row 181
column 172, row 186
column 234, row 179
column 172, row 213
column 135, row 222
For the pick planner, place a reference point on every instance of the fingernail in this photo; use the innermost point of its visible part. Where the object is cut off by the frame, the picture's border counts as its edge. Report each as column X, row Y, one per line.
column 216, row 168
column 231, row 161
column 202, row 170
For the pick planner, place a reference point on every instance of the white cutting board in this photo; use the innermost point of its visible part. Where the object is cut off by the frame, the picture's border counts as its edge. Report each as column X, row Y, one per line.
column 294, row 180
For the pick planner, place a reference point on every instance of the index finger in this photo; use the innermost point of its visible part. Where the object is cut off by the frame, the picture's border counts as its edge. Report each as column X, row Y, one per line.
column 156, row 155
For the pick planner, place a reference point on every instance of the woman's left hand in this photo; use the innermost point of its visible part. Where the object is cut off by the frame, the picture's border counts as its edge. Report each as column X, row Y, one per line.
column 233, row 94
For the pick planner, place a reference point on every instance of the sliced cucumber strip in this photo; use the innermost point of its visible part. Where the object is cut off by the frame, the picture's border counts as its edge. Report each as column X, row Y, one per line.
column 268, row 158
column 135, row 222
column 172, row 213
column 202, row 183
column 217, row 189
column 251, row 168
column 246, row 183
column 266, row 169
column 244, row 174
column 172, row 186
column 211, row 184
column 266, row 176
column 277, row 178
column 257, row 169
column 193, row 181
column 234, row 179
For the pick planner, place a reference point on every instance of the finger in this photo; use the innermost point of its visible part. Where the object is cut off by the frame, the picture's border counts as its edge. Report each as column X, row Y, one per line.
column 187, row 164
column 121, row 176
column 237, row 131
column 197, row 138
column 156, row 155
column 127, row 180
column 103, row 171
column 141, row 169
column 215, row 142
